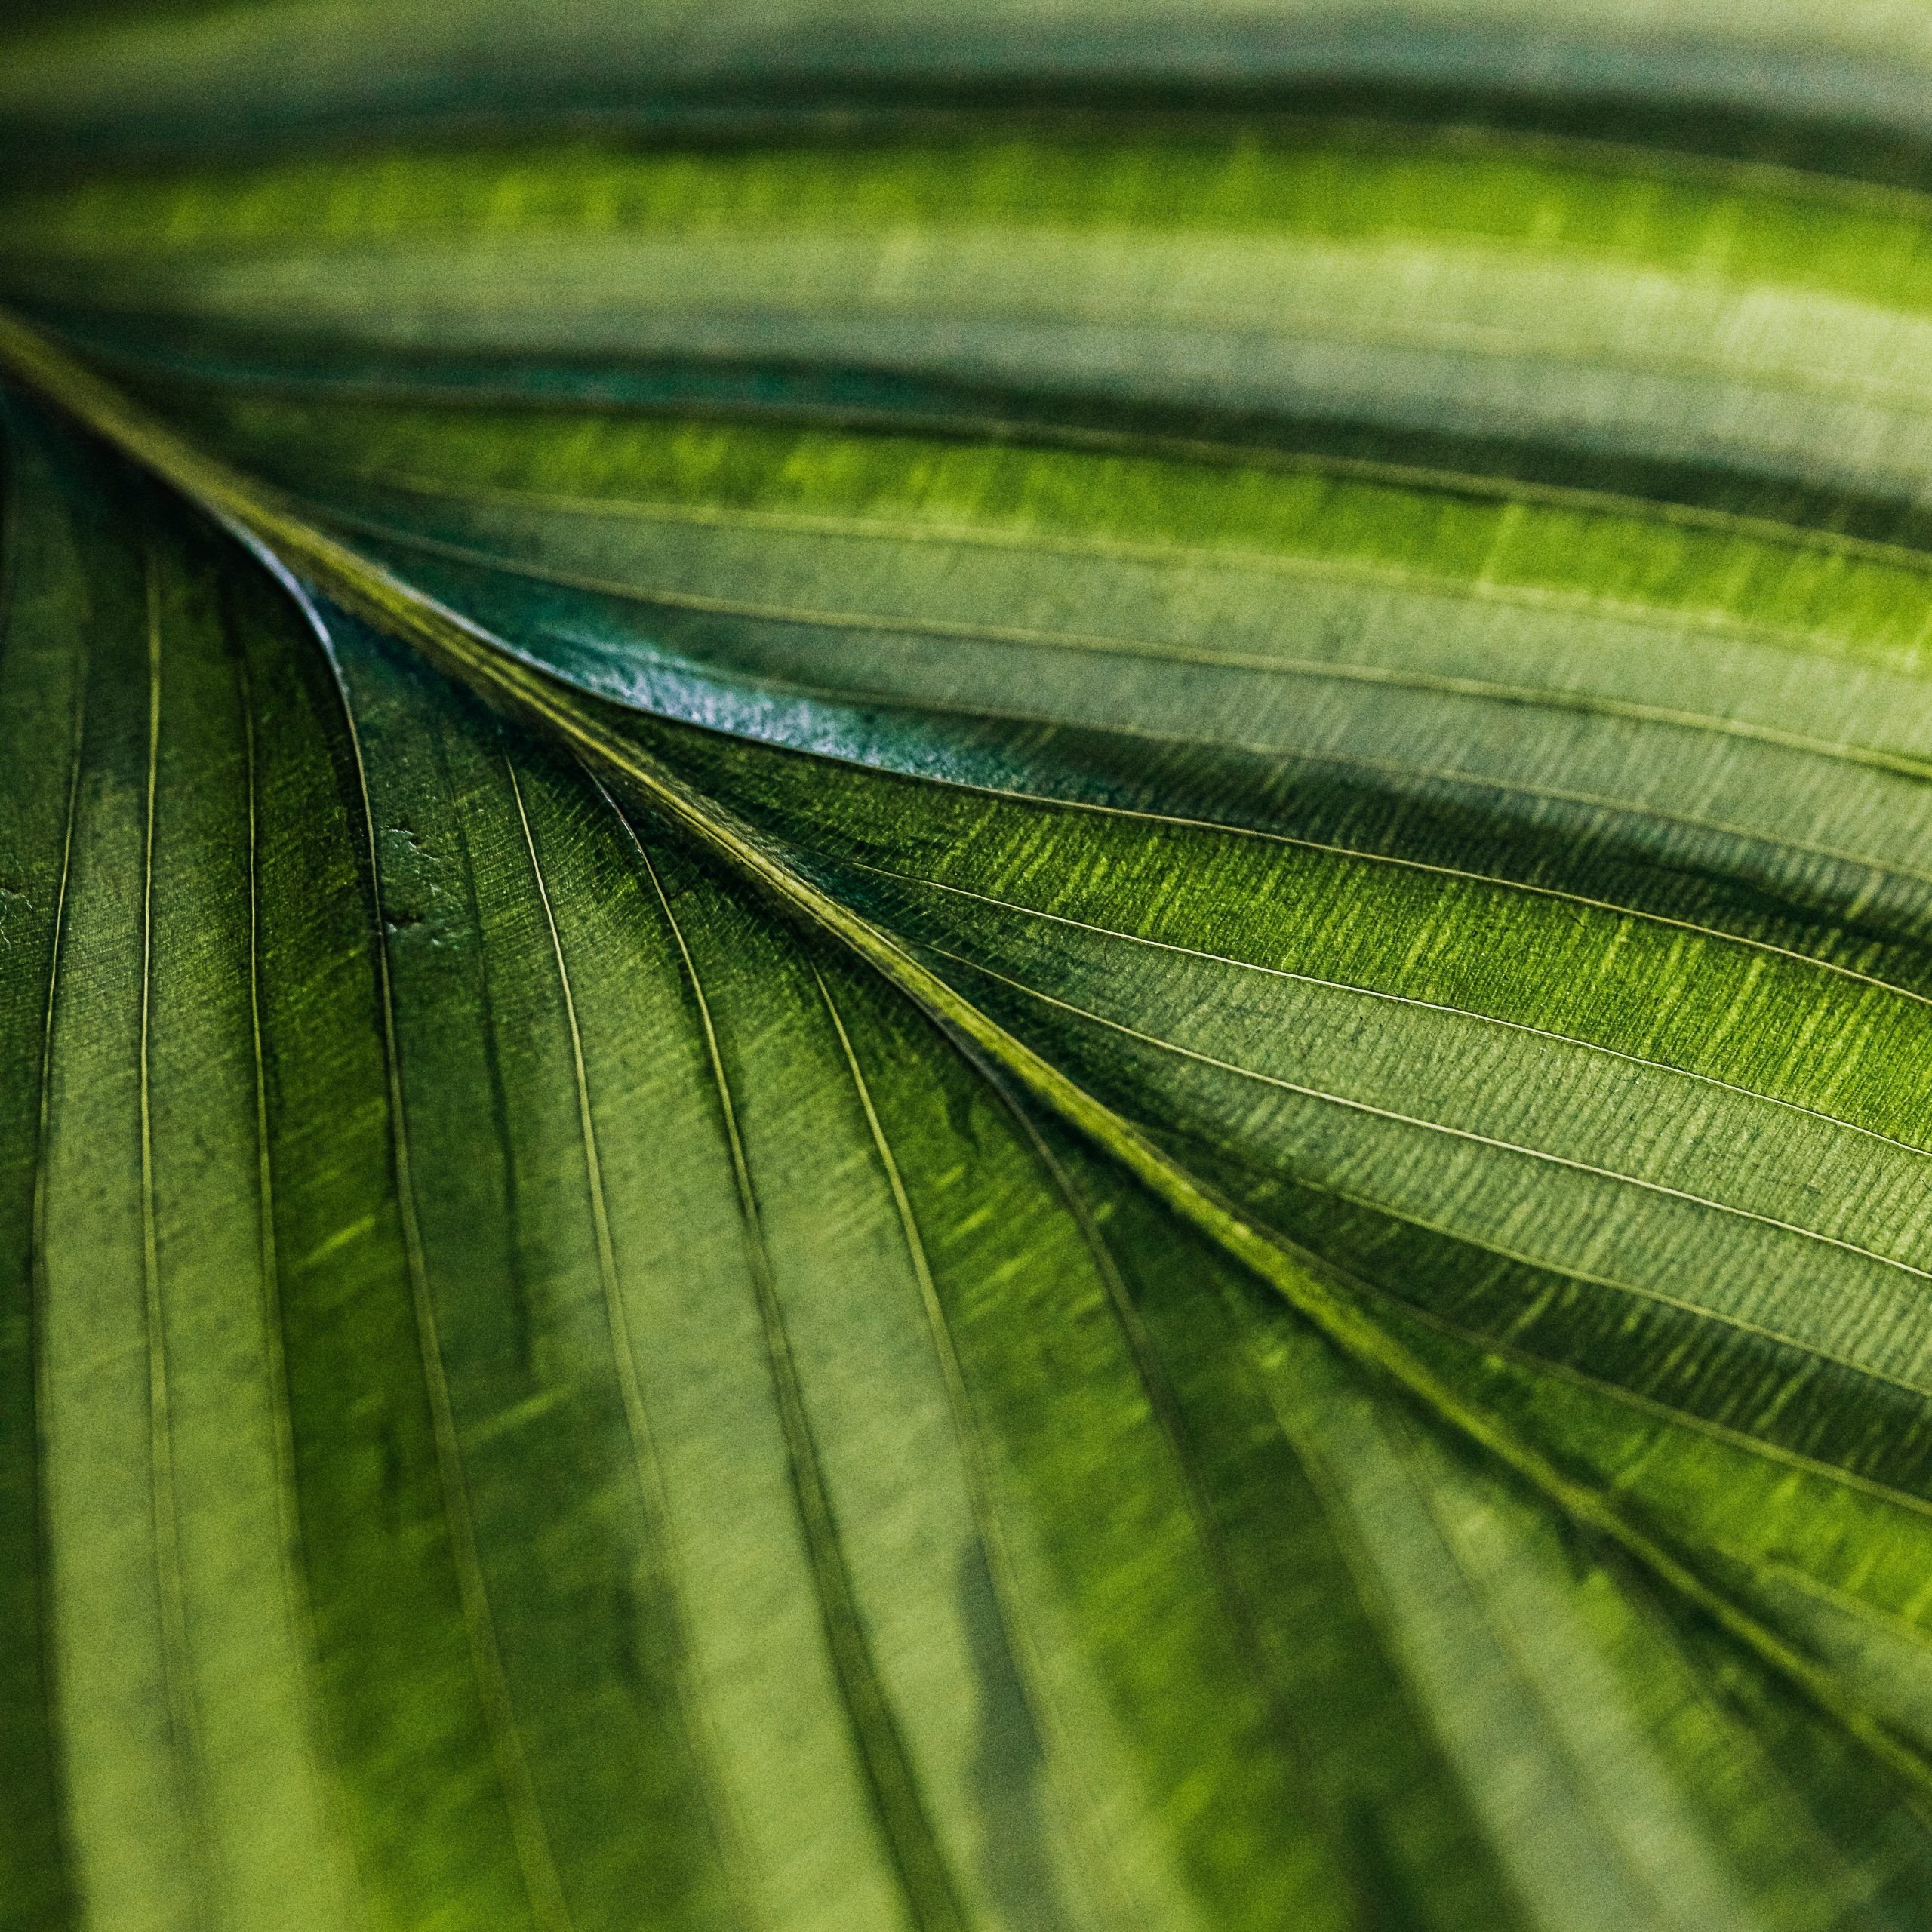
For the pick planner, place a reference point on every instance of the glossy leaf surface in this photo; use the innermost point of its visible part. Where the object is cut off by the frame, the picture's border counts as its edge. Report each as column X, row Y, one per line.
column 943, row 1010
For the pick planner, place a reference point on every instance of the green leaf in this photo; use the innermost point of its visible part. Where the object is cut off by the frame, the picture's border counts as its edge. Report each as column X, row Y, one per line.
column 933, row 1010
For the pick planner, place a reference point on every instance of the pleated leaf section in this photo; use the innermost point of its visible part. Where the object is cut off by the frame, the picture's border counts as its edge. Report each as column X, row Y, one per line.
column 1361, row 689
column 558, row 1399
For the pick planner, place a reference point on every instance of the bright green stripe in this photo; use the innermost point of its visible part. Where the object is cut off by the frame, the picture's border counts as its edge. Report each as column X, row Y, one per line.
column 578, row 492
column 1659, row 210
column 1606, row 298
